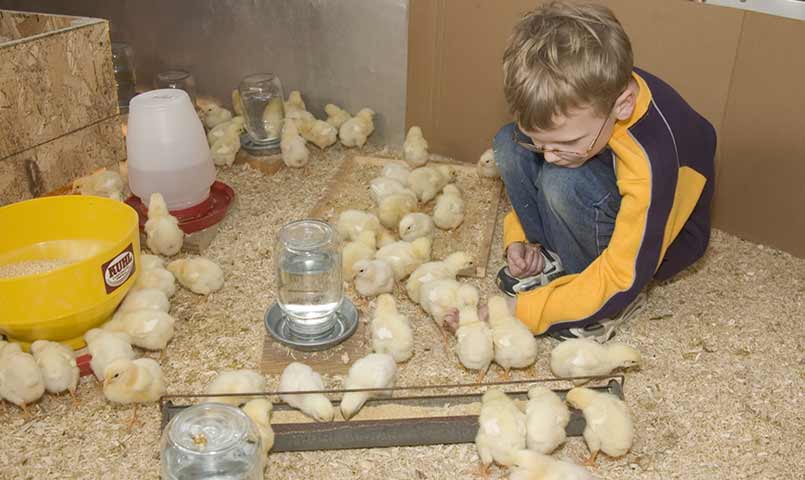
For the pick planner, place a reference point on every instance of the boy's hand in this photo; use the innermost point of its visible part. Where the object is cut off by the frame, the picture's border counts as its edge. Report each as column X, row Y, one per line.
column 524, row 259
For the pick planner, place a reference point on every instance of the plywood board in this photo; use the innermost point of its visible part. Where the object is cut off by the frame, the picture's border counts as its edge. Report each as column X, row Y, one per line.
column 349, row 189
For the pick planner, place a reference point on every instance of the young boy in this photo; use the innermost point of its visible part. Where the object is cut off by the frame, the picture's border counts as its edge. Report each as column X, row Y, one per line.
column 609, row 172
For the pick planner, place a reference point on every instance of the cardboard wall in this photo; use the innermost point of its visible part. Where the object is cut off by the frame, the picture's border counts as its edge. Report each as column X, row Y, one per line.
column 716, row 57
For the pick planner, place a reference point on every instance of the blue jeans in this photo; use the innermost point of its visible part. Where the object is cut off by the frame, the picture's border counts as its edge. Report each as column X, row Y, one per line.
column 571, row 211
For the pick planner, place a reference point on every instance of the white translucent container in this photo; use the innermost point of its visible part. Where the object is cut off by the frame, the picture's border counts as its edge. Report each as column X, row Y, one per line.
column 167, row 149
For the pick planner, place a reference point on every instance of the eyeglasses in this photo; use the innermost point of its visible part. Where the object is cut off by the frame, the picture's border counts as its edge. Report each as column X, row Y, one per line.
column 525, row 141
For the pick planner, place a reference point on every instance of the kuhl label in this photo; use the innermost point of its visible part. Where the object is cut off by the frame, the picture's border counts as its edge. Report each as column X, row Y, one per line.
column 119, row 269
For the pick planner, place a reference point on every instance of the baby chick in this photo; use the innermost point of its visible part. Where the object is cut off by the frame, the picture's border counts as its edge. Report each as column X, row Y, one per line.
column 363, row 248
column 415, row 225
column 133, row 381
column 259, row 411
column 233, row 127
column 157, row 278
column 235, row 381
column 213, row 115
column 393, row 207
column 103, row 183
column 536, row 466
column 294, row 152
column 385, row 237
column 105, row 347
column 57, row 363
column 391, row 331
column 145, row 299
column 294, row 102
column 225, row 149
column 376, row 370
column 150, row 262
column 298, row 377
column 21, row 381
column 274, row 117
column 487, row 167
column 397, row 171
column 582, row 357
column 162, row 229
column 547, row 417
column 404, row 257
column 609, row 425
column 319, row 133
column 449, row 210
column 515, row 345
column 448, row 268
column 148, row 329
column 237, row 105
column 382, row 187
column 355, row 131
column 474, row 341
column 502, row 429
column 438, row 297
column 415, row 148
column 336, row 116
column 373, row 277
column 198, row 274
column 426, row 182
column 351, row 223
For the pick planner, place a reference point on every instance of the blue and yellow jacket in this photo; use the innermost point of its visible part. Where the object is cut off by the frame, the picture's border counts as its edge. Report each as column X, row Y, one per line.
column 664, row 167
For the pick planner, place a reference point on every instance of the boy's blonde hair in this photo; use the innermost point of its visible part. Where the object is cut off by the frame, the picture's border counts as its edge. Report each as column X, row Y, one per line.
column 563, row 56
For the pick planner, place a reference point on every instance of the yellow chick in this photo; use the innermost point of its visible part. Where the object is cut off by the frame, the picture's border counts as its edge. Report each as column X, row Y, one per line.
column 133, row 381
column 21, row 381
column 294, row 102
column 294, row 152
column 145, row 299
column 547, row 417
column 502, row 430
column 150, row 262
column 198, row 274
column 148, row 329
column 393, row 207
column 355, row 131
column 391, row 331
column 583, row 357
column 449, row 210
column 385, row 237
column 609, row 424
column 397, row 171
column 515, row 345
column 415, row 148
column 487, row 167
column 57, row 363
column 445, row 269
column 274, row 117
column 225, row 150
column 382, row 187
column 351, row 223
column 363, row 248
column 415, row 225
column 531, row 465
column 103, row 183
column 162, row 229
column 237, row 105
column 214, row 115
column 373, row 277
column 226, row 129
column 157, row 278
column 376, row 370
column 105, row 347
column 405, row 257
column 235, row 381
column 336, row 116
column 259, row 411
column 319, row 133
column 298, row 377
column 440, row 296
column 426, row 182
column 474, row 341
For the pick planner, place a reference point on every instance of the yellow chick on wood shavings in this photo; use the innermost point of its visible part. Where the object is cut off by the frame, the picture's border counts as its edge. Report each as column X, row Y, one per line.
column 150, row 262
column 298, row 377
column 103, row 183
column 583, row 357
column 148, row 329
column 294, row 152
column 145, row 299
column 609, row 424
column 381, row 187
column 233, row 127
column 105, row 347
column 133, row 382
column 163, row 235
column 355, row 131
column 426, row 182
column 448, row 268
column 198, row 274
column 487, row 167
column 237, row 105
column 225, row 150
column 363, row 248
column 336, row 116
column 213, row 115
column 385, row 237
column 547, row 417
column 415, row 225
column 405, row 257
column 351, row 223
column 515, row 345
column 415, row 148
column 529, row 465
column 373, row 277
column 235, row 381
column 392, row 208
column 158, row 278
column 319, row 133
column 274, row 117
column 449, row 210
column 391, row 330
column 58, row 366
column 438, row 297
column 397, row 171
column 376, row 370
column 294, row 102
column 474, row 341
column 21, row 380
column 259, row 411
column 502, row 430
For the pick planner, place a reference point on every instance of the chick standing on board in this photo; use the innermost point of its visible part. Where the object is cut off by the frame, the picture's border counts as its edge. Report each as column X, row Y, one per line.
column 536, row 466
column 355, row 131
column 294, row 152
column 449, row 210
column 394, row 207
column 235, row 381
column 58, row 366
column 298, row 377
column 391, row 331
column 547, row 417
column 21, row 381
column 150, row 262
column 376, row 370
column 428, row 181
column 104, row 183
column 502, row 430
column 404, row 257
column 363, row 248
column 487, row 167
column 198, row 274
column 415, row 225
column 259, row 411
column 474, row 341
column 448, row 268
column 157, row 278
column 105, row 347
column 609, row 425
column 373, row 277
column 336, row 116
column 133, row 381
column 162, row 229
column 145, row 299
column 583, row 357
column 515, row 345
column 351, row 223
column 439, row 297
column 415, row 148
column 148, row 329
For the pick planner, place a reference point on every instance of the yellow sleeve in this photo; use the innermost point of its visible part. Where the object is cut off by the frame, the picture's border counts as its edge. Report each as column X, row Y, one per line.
column 512, row 230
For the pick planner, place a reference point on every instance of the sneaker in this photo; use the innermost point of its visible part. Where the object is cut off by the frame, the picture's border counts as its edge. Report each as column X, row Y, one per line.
column 603, row 330
column 511, row 285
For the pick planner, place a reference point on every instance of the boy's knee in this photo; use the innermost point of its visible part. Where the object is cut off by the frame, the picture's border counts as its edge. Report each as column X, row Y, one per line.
column 503, row 147
column 560, row 187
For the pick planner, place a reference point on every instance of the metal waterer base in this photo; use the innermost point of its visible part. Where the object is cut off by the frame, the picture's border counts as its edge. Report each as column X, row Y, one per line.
column 258, row 149
column 345, row 325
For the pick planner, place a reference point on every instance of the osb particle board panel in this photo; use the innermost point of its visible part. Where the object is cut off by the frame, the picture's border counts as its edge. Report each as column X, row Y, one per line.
column 350, row 189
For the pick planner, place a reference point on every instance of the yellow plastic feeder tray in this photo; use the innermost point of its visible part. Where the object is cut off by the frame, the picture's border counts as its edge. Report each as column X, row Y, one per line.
column 66, row 262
